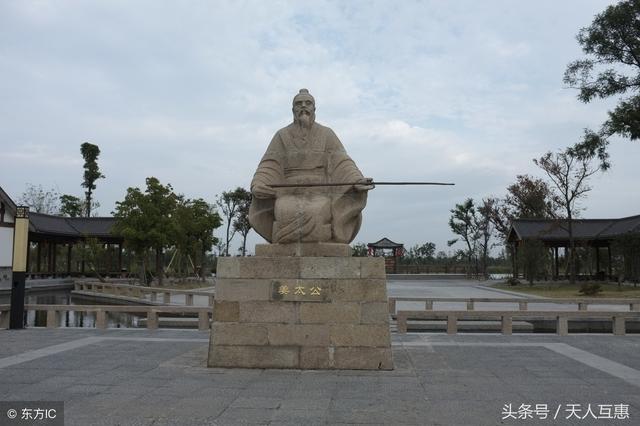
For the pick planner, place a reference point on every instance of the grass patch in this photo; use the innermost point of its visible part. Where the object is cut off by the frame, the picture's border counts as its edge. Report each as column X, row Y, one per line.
column 564, row 289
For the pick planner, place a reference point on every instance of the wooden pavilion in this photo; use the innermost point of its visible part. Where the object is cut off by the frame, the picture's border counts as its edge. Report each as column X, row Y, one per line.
column 52, row 240
column 49, row 235
column 596, row 234
column 390, row 250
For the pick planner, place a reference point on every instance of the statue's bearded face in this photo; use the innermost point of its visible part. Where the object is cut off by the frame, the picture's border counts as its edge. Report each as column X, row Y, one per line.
column 304, row 111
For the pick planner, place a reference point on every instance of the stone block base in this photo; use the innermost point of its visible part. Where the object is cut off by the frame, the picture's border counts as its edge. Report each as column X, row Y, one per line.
column 299, row 357
column 304, row 249
column 302, row 313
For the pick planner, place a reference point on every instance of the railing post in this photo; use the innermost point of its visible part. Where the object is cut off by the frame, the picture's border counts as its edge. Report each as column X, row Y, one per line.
column 392, row 306
column 154, row 296
column 4, row 319
column 189, row 299
column 167, row 298
column 212, row 300
column 452, row 324
column 562, row 329
column 523, row 306
column 401, row 323
column 52, row 319
column 469, row 305
column 152, row 319
column 619, row 326
column 507, row 324
column 582, row 306
column 101, row 319
column 203, row 320
column 428, row 305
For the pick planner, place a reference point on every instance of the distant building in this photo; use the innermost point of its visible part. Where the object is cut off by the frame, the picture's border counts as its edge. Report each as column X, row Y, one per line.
column 7, row 215
column 52, row 240
column 617, row 238
column 391, row 252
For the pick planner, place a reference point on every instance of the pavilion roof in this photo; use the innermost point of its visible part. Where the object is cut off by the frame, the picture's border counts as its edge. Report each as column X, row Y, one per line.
column 554, row 230
column 79, row 227
column 385, row 243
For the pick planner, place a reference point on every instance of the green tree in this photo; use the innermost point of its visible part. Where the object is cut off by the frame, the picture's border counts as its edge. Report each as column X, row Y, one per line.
column 92, row 173
column 533, row 258
column 420, row 254
column 569, row 174
column 229, row 203
column 485, row 229
column 527, row 198
column 195, row 221
column 611, row 68
column 359, row 250
column 464, row 222
column 92, row 252
column 241, row 223
column 145, row 221
column 71, row 206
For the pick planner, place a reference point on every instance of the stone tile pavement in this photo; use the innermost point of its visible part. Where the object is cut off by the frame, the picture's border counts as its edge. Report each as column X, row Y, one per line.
column 141, row 377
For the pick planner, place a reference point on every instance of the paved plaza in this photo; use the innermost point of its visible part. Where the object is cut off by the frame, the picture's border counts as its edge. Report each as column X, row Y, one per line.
column 159, row 377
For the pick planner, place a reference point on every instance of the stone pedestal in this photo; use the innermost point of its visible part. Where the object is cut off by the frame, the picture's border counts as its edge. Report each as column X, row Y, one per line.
column 301, row 312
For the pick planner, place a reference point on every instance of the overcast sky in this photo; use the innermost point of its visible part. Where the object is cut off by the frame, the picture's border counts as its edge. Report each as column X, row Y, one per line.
column 191, row 92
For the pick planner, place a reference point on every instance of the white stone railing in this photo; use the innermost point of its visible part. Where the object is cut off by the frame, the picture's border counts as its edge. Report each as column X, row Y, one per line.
column 523, row 303
column 506, row 317
column 138, row 291
column 152, row 312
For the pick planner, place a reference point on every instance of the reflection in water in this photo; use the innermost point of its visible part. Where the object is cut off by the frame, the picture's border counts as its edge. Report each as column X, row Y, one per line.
column 72, row 319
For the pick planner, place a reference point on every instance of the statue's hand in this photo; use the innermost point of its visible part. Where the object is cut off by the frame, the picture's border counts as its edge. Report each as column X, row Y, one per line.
column 364, row 185
column 263, row 191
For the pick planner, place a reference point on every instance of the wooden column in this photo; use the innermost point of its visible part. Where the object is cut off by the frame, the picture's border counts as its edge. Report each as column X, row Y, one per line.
column 555, row 263
column 49, row 257
column 82, row 262
column 515, row 259
column 54, row 250
column 597, row 260
column 609, row 256
column 38, row 256
column 109, row 265
column 28, row 256
column 119, row 258
column 69, row 245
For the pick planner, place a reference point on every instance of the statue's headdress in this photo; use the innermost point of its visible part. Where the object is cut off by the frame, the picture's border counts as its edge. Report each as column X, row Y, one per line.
column 303, row 94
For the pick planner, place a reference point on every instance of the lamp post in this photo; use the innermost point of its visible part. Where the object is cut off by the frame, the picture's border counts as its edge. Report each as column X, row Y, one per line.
column 20, row 252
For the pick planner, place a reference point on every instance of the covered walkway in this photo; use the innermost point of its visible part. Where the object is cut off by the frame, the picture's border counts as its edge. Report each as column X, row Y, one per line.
column 598, row 235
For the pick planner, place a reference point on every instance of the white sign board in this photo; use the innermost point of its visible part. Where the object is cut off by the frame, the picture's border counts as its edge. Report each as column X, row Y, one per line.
column 6, row 247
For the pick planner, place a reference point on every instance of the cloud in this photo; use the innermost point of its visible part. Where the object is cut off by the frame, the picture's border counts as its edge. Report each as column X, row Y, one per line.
column 39, row 156
column 192, row 92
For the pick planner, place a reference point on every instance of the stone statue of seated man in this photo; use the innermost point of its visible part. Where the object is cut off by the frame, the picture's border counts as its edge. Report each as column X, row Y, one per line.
column 306, row 152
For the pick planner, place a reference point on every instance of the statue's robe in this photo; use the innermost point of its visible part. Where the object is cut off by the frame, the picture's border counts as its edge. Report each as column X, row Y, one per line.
column 308, row 214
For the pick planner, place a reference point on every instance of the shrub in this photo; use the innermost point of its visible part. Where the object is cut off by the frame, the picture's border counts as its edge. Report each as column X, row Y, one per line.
column 513, row 281
column 590, row 289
